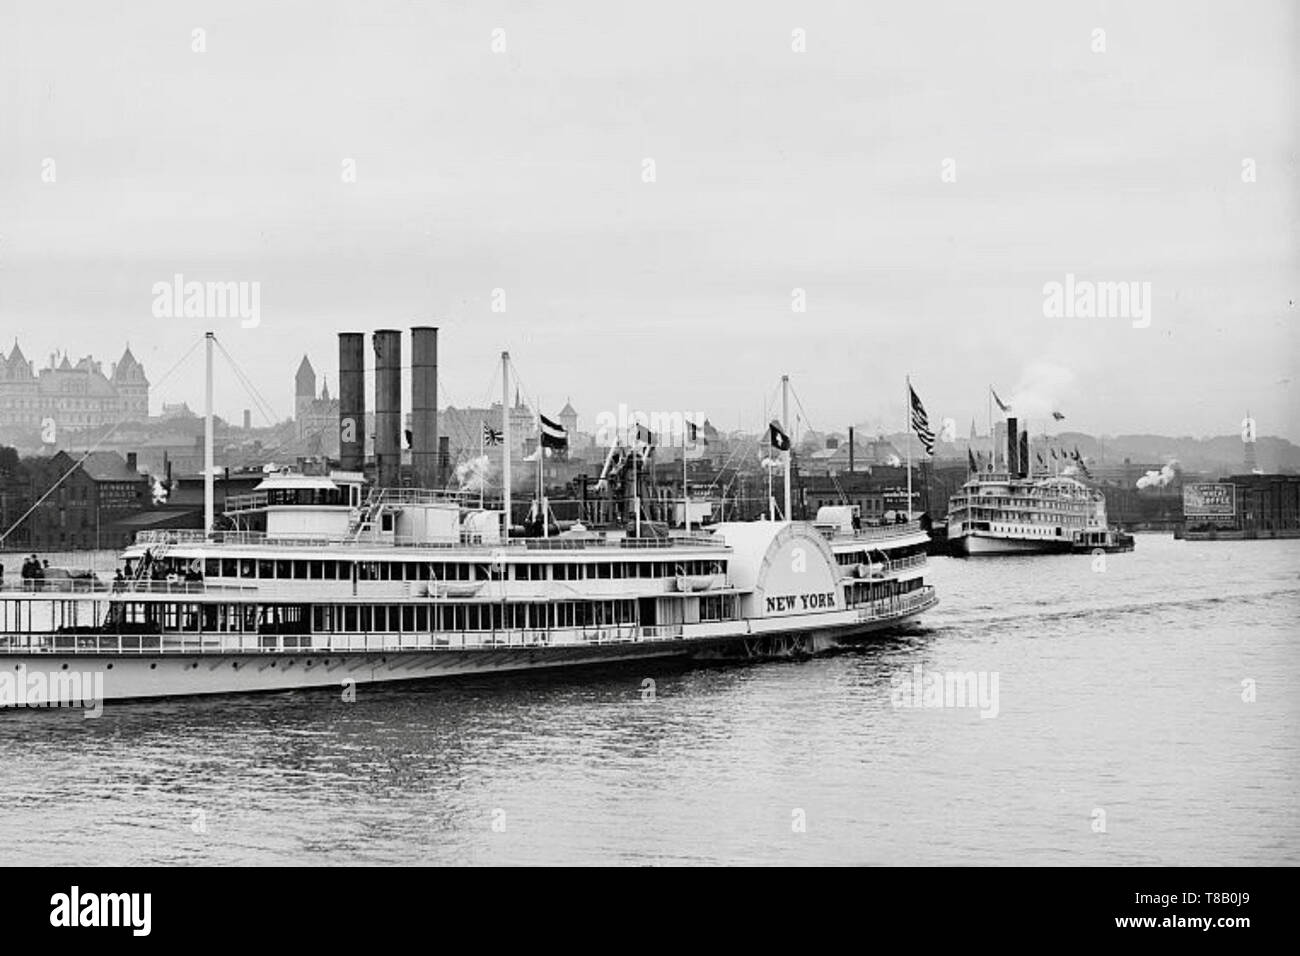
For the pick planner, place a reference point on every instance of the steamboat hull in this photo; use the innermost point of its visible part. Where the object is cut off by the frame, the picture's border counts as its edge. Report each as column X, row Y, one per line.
column 159, row 674
column 975, row 545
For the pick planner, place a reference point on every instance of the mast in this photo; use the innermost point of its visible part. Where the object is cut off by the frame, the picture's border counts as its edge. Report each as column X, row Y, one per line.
column 907, row 439
column 686, row 500
column 505, row 443
column 209, row 478
column 789, row 452
column 993, row 441
column 541, row 479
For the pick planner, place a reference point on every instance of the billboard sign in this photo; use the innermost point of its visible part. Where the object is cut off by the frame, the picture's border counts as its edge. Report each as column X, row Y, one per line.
column 1210, row 499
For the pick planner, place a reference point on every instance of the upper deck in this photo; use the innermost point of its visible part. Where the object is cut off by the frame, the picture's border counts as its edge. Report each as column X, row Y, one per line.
column 469, row 543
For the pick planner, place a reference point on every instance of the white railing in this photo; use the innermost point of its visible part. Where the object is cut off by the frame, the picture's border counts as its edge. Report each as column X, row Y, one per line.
column 912, row 602
column 883, row 532
column 187, row 644
column 885, row 567
column 259, row 539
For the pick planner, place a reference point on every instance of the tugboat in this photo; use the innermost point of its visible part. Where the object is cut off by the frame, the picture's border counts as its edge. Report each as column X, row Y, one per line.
column 1109, row 540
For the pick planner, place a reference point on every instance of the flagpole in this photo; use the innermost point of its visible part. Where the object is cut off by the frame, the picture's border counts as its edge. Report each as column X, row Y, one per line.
column 505, row 443
column 789, row 452
column 907, row 435
column 482, row 456
column 636, row 484
column 541, row 486
column 993, row 442
column 686, row 501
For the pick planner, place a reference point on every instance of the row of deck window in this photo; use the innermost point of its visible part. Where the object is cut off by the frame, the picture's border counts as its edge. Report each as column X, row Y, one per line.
column 857, row 594
column 413, row 618
column 297, row 570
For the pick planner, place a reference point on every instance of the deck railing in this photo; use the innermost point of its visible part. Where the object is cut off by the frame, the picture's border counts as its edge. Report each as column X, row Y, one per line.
column 319, row 644
column 883, row 532
column 259, row 539
column 316, row 644
column 891, row 565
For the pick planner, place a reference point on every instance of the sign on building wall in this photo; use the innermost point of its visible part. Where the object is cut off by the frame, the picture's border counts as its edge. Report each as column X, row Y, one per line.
column 1210, row 500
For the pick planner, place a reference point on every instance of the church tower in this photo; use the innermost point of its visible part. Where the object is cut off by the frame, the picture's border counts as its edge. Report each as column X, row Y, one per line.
column 304, row 393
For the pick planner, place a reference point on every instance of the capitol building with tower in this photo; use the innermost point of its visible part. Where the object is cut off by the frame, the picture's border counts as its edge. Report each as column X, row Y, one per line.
column 74, row 396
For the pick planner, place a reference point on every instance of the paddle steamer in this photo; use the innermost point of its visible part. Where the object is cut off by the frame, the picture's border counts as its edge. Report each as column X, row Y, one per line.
column 341, row 582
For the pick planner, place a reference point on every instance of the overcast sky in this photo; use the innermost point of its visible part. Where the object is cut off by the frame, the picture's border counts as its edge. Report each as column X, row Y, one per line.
column 774, row 170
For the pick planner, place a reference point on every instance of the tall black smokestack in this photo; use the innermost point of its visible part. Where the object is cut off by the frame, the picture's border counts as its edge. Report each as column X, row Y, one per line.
column 352, row 401
column 1013, row 447
column 1025, row 470
column 388, row 407
column 850, row 449
column 424, row 408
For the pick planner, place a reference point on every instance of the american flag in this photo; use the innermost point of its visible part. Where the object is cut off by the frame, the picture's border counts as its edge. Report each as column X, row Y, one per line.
column 921, row 422
column 491, row 437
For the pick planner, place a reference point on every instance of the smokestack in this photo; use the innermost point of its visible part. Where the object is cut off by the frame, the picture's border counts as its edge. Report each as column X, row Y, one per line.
column 388, row 407
column 426, row 463
column 248, row 419
column 444, row 456
column 1013, row 447
column 352, row 401
column 850, row 449
column 1025, row 470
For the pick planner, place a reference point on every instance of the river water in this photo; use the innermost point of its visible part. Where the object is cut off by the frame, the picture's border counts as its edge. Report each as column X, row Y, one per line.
column 1146, row 713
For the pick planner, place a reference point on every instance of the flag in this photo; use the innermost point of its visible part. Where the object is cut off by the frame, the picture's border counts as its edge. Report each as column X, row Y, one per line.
column 970, row 455
column 491, row 436
column 1053, row 452
column 777, row 438
column 921, row 422
column 1058, row 416
column 1039, row 456
column 644, row 435
column 554, row 435
column 692, row 431
column 1002, row 405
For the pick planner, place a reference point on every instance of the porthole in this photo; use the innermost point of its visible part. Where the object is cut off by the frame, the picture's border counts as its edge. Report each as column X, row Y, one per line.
column 110, row 667
column 65, row 667
column 234, row 665
column 153, row 666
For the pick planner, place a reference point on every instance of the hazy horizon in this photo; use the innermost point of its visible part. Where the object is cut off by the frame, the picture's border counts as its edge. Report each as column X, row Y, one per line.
column 775, row 171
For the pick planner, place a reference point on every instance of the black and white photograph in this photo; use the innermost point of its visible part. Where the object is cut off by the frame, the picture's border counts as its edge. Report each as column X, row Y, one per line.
column 718, row 434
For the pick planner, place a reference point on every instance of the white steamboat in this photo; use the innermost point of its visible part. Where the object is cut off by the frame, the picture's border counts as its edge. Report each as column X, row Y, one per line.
column 346, row 585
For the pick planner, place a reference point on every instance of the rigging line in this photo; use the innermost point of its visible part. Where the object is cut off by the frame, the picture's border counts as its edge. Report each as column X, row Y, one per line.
column 740, row 447
column 91, row 450
column 798, row 401
column 262, row 408
column 263, row 405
